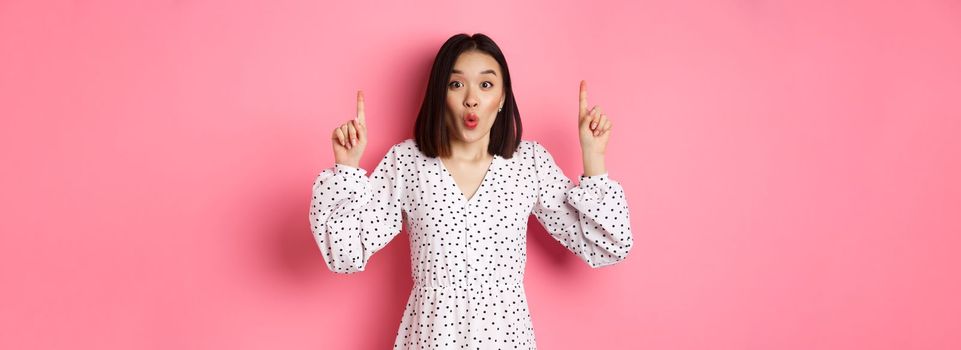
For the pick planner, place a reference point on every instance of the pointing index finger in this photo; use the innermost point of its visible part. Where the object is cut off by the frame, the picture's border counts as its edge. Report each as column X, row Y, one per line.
column 360, row 107
column 583, row 98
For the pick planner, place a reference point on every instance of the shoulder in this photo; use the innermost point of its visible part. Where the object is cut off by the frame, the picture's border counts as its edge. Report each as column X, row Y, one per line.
column 404, row 152
column 408, row 143
column 530, row 148
column 408, row 148
column 404, row 148
column 399, row 157
column 531, row 152
column 526, row 146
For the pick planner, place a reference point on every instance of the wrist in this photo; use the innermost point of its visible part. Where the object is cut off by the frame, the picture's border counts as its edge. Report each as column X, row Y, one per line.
column 591, row 154
column 594, row 165
column 350, row 164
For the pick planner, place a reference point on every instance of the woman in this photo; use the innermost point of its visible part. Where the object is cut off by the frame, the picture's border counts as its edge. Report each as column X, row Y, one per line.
column 467, row 184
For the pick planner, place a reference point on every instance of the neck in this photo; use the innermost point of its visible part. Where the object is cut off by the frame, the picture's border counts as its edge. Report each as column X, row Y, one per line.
column 470, row 151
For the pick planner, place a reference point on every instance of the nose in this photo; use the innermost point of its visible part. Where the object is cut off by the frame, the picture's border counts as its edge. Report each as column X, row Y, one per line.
column 470, row 101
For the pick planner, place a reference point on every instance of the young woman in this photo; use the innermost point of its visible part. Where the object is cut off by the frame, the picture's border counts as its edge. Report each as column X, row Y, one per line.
column 466, row 185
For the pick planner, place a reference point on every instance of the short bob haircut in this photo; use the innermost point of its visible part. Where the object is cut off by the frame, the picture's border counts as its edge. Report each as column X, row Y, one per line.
column 431, row 130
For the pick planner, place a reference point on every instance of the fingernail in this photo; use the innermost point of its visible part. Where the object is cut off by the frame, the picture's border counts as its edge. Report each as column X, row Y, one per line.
column 593, row 125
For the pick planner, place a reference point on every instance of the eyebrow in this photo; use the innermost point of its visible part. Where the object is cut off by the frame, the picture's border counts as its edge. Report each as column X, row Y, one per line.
column 491, row 71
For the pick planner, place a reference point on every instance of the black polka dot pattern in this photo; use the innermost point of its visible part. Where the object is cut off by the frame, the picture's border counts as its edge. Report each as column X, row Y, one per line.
column 467, row 254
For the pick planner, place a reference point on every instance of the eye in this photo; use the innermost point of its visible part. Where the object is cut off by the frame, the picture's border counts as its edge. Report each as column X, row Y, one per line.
column 455, row 82
column 490, row 84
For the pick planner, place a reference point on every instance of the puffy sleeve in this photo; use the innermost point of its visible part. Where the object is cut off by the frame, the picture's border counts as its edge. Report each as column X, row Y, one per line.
column 591, row 219
column 353, row 216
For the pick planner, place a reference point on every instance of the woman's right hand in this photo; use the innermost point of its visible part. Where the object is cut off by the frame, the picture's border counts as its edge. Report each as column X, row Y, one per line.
column 350, row 139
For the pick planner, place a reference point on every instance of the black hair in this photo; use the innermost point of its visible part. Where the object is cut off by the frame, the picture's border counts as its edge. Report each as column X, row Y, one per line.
column 431, row 131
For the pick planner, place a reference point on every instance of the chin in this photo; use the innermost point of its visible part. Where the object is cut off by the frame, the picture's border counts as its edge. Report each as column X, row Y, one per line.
column 473, row 135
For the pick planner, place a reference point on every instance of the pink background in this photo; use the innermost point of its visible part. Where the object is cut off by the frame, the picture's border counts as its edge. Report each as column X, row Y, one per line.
column 792, row 168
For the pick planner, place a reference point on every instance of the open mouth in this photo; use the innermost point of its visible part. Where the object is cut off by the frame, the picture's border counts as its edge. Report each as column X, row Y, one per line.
column 471, row 120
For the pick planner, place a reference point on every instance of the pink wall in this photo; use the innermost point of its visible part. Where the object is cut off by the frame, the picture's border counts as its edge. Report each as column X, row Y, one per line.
column 792, row 167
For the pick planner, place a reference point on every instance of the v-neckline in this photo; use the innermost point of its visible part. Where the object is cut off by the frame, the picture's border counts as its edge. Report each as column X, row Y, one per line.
column 460, row 194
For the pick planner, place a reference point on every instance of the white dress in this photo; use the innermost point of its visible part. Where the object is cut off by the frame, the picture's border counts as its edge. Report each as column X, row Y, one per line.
column 467, row 255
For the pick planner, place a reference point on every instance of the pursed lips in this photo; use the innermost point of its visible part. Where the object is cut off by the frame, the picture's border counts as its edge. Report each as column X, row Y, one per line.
column 471, row 119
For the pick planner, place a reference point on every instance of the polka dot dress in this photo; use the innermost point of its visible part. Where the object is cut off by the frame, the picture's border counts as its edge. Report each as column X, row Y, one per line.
column 467, row 254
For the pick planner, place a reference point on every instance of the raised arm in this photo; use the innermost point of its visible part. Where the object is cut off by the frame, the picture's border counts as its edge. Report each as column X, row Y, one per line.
column 591, row 220
column 352, row 216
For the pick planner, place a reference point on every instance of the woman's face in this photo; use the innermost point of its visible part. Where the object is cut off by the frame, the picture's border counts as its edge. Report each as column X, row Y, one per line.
column 474, row 93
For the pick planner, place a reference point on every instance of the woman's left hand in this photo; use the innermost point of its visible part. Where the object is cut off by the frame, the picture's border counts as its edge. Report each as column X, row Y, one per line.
column 595, row 127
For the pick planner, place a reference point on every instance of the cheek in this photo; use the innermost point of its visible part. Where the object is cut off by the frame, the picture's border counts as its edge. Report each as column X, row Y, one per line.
column 452, row 102
column 495, row 97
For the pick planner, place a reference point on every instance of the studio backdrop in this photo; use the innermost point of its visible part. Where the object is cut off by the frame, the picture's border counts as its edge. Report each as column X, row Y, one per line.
column 791, row 168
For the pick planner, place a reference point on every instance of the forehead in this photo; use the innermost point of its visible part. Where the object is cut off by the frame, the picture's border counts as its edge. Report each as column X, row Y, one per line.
column 474, row 62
